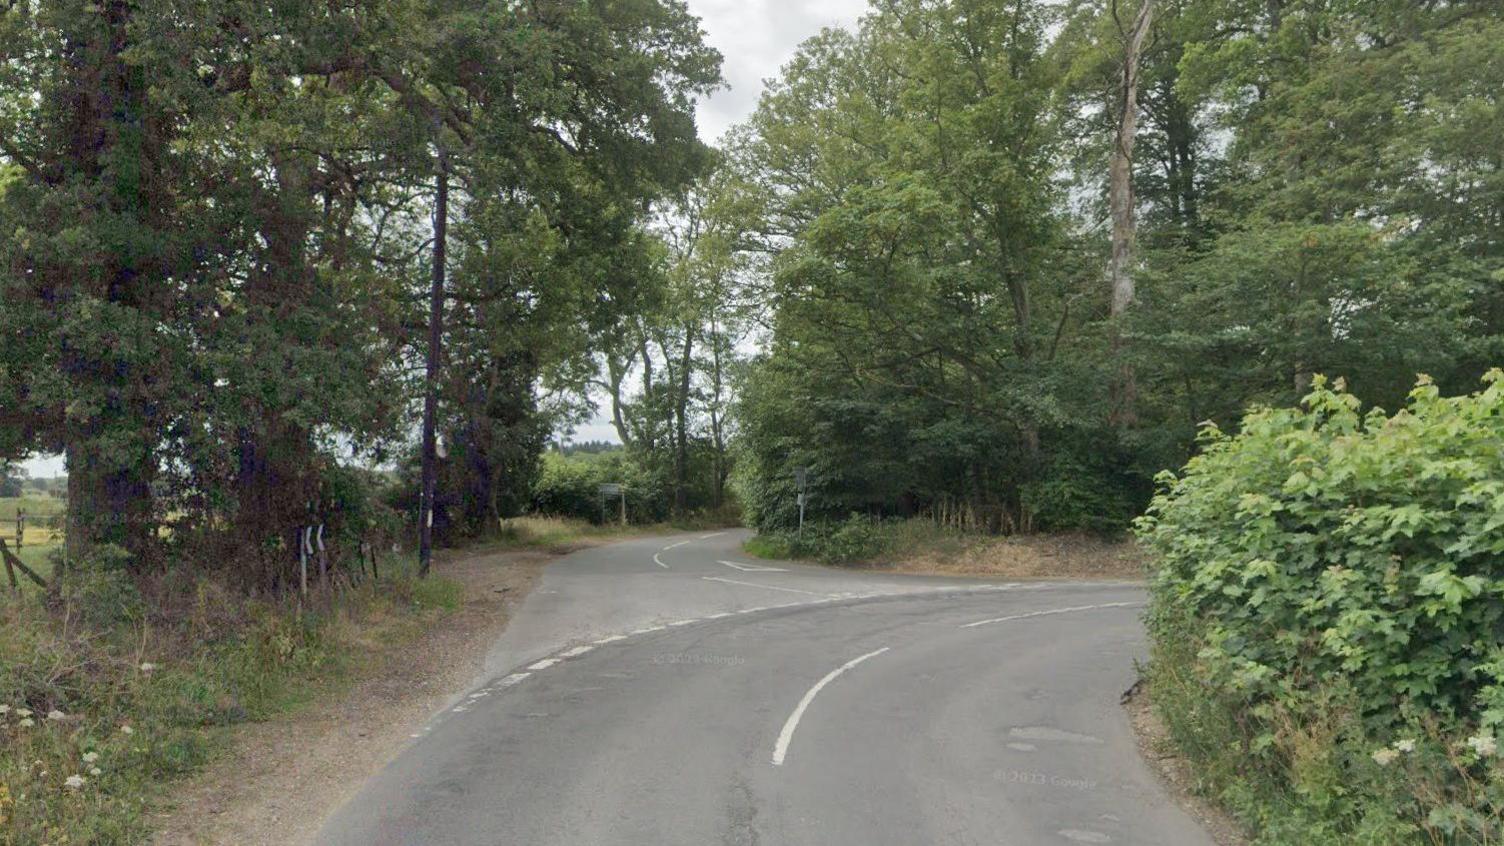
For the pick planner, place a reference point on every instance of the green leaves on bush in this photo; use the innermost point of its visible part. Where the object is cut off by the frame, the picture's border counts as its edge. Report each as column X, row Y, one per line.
column 1327, row 581
column 1323, row 543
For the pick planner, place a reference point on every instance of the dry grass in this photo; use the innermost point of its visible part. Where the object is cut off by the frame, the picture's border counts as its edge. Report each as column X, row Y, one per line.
column 1069, row 556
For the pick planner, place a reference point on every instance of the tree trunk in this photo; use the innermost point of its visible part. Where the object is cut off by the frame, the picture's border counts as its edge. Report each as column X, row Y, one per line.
column 681, row 427
column 431, row 378
column 111, row 458
column 1120, row 200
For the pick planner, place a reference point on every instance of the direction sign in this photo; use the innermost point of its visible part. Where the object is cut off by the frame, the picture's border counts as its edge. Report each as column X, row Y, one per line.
column 611, row 490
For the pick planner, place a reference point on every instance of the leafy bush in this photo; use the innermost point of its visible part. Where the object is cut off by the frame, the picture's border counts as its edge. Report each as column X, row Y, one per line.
column 569, row 486
column 1328, row 585
column 100, row 586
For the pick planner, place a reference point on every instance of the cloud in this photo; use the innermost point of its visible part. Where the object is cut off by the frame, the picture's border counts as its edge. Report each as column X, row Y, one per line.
column 756, row 37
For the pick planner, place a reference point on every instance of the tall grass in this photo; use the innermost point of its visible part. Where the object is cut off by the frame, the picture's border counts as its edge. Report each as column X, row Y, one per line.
column 99, row 719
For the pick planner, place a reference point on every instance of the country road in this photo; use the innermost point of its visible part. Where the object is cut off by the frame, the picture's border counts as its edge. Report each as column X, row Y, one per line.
column 673, row 691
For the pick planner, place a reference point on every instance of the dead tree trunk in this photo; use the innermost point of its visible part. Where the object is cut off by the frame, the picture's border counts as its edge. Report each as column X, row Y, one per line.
column 1120, row 200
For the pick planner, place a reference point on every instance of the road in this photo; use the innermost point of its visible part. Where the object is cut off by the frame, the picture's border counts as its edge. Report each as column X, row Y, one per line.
column 673, row 691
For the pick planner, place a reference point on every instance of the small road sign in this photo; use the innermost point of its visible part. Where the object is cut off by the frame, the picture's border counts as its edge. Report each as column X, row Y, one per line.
column 610, row 490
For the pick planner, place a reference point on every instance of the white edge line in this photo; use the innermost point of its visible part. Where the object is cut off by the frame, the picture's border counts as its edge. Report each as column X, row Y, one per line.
column 544, row 664
column 659, row 561
column 711, row 535
column 514, row 679
column 764, row 587
column 612, row 639
column 752, row 568
column 786, row 736
column 577, row 651
column 1052, row 611
column 675, row 545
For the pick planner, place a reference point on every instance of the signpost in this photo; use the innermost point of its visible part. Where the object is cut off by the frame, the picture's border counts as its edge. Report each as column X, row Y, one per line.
column 801, row 479
column 617, row 490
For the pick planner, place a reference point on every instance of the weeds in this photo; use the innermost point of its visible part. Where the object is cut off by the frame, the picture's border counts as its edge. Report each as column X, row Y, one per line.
column 98, row 718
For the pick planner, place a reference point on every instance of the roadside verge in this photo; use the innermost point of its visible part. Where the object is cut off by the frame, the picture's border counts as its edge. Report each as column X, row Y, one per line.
column 281, row 778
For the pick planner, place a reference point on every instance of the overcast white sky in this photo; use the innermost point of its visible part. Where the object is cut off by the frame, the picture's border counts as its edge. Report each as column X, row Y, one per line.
column 755, row 37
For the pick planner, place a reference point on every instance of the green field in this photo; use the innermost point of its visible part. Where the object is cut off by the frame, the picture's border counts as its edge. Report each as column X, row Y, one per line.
column 42, row 535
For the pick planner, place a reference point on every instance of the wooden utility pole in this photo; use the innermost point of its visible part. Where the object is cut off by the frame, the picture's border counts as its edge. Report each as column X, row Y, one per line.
column 1120, row 201
column 431, row 379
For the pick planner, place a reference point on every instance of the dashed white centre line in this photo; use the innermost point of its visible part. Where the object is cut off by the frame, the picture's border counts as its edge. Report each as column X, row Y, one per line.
column 544, row 664
column 659, row 561
column 1070, row 610
column 786, row 736
column 577, row 651
column 764, row 587
column 711, row 535
column 675, row 545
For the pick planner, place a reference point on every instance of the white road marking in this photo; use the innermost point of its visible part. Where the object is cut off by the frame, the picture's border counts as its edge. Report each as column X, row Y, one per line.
column 1053, row 611
column 682, row 622
column 764, row 587
column 675, row 545
column 612, row 639
column 544, row 664
column 649, row 629
column 659, row 561
column 513, row 679
column 711, row 535
column 752, row 568
column 781, row 748
column 577, row 651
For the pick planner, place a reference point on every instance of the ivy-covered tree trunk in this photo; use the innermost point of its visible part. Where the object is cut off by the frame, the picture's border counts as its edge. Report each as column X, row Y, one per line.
column 115, row 144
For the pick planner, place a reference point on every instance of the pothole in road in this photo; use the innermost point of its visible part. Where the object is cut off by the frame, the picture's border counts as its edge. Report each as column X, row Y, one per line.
column 1049, row 734
column 1080, row 836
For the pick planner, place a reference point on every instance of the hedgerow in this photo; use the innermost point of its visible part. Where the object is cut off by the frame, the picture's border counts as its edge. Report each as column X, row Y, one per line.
column 1328, row 616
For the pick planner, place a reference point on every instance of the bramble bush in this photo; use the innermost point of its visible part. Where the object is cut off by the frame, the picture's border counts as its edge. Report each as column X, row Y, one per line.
column 1327, row 612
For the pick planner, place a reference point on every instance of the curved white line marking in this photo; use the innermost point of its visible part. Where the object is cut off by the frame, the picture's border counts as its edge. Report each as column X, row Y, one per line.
column 1053, row 611
column 675, row 545
column 786, row 736
column 764, row 587
column 659, row 561
column 711, row 535
column 752, row 568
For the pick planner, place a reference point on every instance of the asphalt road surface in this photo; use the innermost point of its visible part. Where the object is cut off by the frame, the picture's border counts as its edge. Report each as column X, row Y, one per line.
column 674, row 691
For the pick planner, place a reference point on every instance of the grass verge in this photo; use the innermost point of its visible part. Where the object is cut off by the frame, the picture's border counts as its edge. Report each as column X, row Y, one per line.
column 558, row 533
column 99, row 720
column 920, row 546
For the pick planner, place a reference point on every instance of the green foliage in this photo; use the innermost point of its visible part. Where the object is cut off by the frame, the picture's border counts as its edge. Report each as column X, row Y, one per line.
column 141, row 701
column 211, row 287
column 1327, row 583
column 569, row 486
column 101, row 587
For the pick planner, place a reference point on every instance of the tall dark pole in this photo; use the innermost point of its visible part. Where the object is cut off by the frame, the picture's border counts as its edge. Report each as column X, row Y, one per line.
column 431, row 380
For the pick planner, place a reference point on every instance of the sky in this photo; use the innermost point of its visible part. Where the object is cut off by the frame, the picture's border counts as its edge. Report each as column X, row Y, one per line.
column 755, row 37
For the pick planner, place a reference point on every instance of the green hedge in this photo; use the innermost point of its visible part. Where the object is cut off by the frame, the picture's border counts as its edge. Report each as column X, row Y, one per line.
column 1328, row 616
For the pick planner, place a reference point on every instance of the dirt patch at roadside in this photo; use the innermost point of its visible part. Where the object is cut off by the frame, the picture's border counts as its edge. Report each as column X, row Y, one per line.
column 1068, row 556
column 1174, row 771
column 282, row 778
